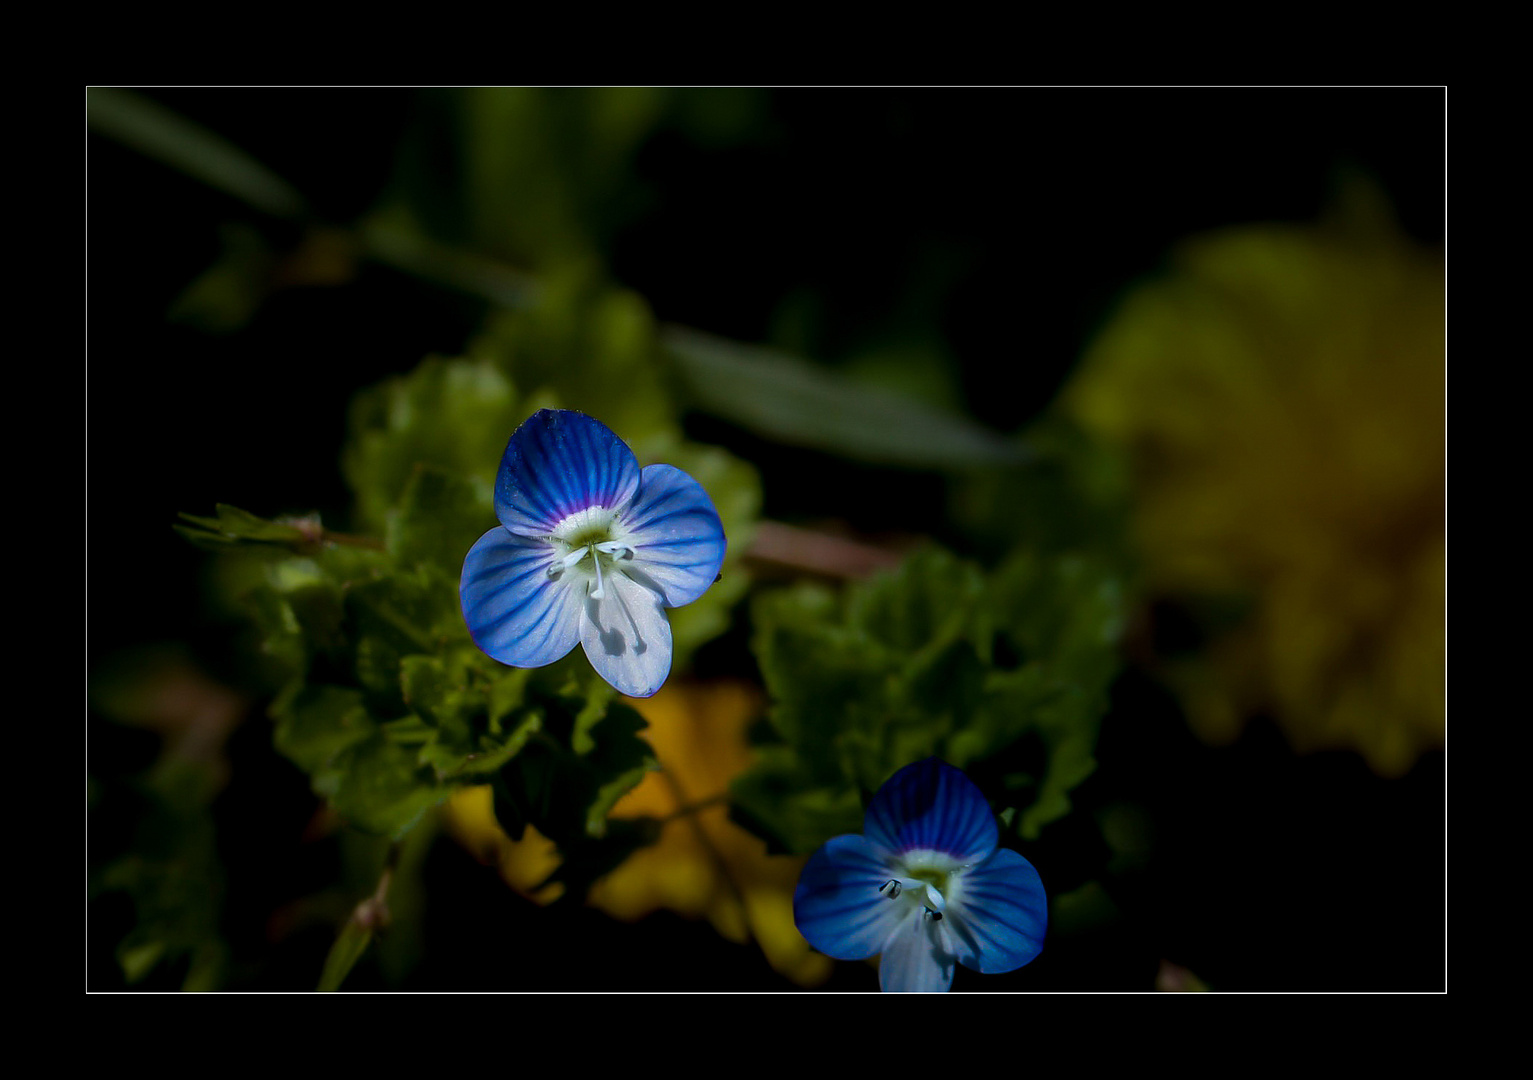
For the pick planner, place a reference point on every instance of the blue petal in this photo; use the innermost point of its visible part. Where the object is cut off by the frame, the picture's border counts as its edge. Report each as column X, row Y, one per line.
column 514, row 612
column 837, row 905
column 676, row 534
column 932, row 806
column 557, row 464
column 627, row 636
column 914, row 961
column 997, row 916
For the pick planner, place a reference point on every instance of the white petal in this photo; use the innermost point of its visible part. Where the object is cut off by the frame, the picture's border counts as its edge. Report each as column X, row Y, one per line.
column 914, row 960
column 627, row 636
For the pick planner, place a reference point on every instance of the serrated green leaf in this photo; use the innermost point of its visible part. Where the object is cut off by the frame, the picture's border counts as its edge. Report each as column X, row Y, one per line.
column 233, row 527
column 438, row 519
column 394, row 617
column 924, row 604
column 779, row 799
column 508, row 690
column 453, row 416
column 567, row 795
column 586, row 346
column 1004, row 673
column 408, row 731
column 317, row 723
column 380, row 787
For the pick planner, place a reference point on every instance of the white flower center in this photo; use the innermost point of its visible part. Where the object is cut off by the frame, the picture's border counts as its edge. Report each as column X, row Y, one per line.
column 925, row 879
column 593, row 534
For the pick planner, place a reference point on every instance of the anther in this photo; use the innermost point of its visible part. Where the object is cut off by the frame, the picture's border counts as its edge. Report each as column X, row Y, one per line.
column 892, row 886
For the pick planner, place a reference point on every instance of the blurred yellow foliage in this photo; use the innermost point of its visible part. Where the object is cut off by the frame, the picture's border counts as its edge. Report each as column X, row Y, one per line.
column 1281, row 396
column 703, row 866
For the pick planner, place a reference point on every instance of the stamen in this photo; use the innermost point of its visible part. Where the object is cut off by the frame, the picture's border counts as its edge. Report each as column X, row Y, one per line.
column 597, row 593
column 893, row 887
column 565, row 563
column 616, row 548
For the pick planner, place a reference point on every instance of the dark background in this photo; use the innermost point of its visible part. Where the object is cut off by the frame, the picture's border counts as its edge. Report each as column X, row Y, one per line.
column 1000, row 224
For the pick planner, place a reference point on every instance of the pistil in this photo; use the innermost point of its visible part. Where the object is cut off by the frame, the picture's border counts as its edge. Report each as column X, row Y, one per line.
column 615, row 550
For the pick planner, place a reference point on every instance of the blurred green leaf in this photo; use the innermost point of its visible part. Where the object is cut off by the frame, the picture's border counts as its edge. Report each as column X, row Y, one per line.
column 174, row 877
column 1004, row 674
column 439, row 517
column 344, row 954
column 173, row 140
column 234, row 526
column 452, row 416
column 780, row 799
column 1072, row 495
column 316, row 723
column 785, row 399
column 588, row 346
column 393, row 617
column 225, row 297
column 379, row 786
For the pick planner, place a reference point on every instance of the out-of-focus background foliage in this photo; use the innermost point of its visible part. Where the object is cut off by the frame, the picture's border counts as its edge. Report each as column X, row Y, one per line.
column 1091, row 438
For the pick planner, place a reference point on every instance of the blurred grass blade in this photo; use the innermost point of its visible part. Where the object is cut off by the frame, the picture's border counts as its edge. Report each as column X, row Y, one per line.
column 402, row 246
column 785, row 399
column 344, row 954
column 172, row 140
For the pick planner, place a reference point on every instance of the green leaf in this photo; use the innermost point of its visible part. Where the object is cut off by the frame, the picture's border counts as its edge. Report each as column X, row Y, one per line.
column 379, row 786
column 779, row 799
column 316, row 723
column 439, row 518
column 790, row 401
column 234, row 526
column 394, row 617
column 349, row 947
column 824, row 679
column 454, row 416
column 567, row 795
column 588, row 346
column 927, row 602
column 174, row 877
column 1004, row 674
column 170, row 138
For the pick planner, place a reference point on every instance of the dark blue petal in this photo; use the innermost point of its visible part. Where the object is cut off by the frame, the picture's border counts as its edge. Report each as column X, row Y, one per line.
column 837, row 905
column 558, row 463
column 997, row 915
column 627, row 636
column 931, row 805
column 676, row 534
column 513, row 611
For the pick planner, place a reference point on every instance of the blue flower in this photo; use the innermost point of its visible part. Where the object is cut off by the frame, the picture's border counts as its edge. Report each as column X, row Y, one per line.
column 925, row 885
column 590, row 548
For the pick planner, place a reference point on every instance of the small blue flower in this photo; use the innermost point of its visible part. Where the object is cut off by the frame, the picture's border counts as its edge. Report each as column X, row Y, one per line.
column 925, row 885
column 590, row 548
